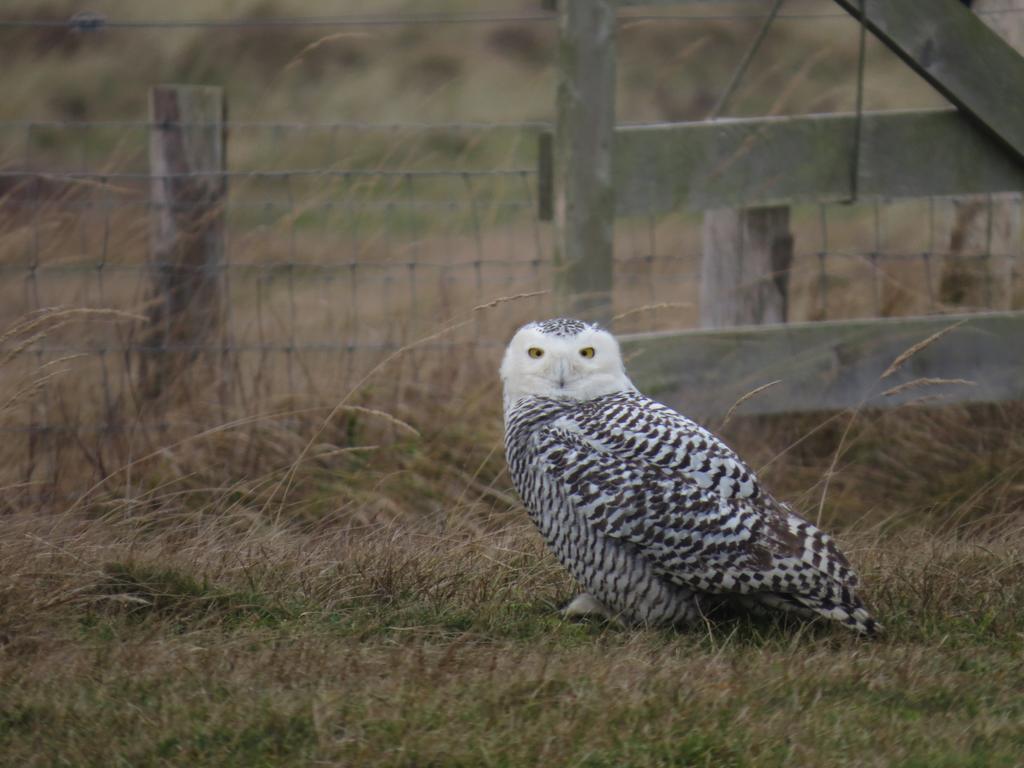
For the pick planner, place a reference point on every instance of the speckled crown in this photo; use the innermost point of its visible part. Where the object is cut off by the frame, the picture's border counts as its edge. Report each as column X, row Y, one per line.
column 563, row 326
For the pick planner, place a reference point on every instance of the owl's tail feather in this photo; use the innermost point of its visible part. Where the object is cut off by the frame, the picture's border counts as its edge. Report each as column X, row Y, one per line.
column 849, row 611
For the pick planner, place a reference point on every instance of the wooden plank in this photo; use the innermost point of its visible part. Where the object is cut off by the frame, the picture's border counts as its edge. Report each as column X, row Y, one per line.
column 584, row 198
column 187, row 141
column 829, row 365
column 766, row 161
column 958, row 55
column 984, row 240
column 545, row 176
column 747, row 252
column 745, row 261
column 1000, row 18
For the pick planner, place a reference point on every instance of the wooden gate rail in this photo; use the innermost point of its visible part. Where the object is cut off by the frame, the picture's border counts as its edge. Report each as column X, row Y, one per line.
column 591, row 172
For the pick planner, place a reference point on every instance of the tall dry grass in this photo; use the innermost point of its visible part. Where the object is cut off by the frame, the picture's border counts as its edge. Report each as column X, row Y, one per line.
column 302, row 328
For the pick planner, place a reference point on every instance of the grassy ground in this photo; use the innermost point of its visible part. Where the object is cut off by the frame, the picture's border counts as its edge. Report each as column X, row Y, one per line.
column 239, row 643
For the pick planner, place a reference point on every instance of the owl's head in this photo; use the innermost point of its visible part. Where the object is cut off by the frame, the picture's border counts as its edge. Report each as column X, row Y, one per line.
column 563, row 358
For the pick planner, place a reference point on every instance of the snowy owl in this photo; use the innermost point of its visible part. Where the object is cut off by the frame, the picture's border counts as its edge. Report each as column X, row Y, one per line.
column 653, row 515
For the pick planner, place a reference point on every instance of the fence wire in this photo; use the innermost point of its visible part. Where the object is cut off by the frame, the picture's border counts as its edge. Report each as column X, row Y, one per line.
column 91, row 21
column 332, row 266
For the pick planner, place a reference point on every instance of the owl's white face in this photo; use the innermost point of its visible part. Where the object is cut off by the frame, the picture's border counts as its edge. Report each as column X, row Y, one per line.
column 562, row 358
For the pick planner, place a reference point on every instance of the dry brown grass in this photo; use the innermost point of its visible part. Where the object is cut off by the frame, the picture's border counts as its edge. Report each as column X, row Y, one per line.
column 361, row 587
column 383, row 601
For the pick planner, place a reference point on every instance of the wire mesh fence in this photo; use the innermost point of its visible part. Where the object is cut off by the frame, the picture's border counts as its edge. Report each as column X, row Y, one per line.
column 349, row 244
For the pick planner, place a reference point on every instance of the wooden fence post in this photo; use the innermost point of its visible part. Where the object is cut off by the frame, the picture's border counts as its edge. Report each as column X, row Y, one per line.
column 745, row 261
column 988, row 227
column 187, row 158
column 584, row 128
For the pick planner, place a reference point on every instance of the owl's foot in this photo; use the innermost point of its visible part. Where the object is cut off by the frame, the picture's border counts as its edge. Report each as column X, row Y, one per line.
column 585, row 606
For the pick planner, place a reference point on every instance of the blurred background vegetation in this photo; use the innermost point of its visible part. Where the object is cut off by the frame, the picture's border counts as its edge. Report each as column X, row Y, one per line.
column 330, row 276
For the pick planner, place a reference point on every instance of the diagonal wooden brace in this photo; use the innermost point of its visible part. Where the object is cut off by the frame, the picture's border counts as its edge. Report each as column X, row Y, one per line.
column 959, row 56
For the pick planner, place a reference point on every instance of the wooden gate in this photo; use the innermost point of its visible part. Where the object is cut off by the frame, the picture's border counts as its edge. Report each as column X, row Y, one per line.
column 592, row 171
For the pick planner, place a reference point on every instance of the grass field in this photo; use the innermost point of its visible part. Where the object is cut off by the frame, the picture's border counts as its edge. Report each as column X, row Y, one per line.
column 368, row 591
column 317, row 558
column 234, row 642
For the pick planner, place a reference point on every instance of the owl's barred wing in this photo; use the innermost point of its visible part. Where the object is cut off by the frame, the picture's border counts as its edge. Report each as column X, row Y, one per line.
column 693, row 535
column 632, row 426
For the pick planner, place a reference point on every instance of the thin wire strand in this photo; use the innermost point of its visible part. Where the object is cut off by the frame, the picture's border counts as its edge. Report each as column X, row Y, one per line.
column 822, row 255
column 748, row 57
column 91, row 22
column 861, row 56
column 94, row 22
column 285, row 174
column 291, row 125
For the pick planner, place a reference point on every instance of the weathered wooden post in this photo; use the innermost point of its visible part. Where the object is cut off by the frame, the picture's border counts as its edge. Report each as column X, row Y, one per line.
column 187, row 158
column 746, row 253
column 584, row 200
column 985, row 225
column 744, row 278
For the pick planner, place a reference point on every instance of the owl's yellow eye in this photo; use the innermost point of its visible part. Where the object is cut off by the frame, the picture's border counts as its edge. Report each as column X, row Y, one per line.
column 535, row 352
column 587, row 352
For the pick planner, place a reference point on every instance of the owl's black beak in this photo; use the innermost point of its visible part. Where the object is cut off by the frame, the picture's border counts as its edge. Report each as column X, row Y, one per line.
column 562, row 372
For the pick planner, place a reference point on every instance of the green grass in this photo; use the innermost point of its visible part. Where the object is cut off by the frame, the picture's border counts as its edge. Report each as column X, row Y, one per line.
column 402, row 647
